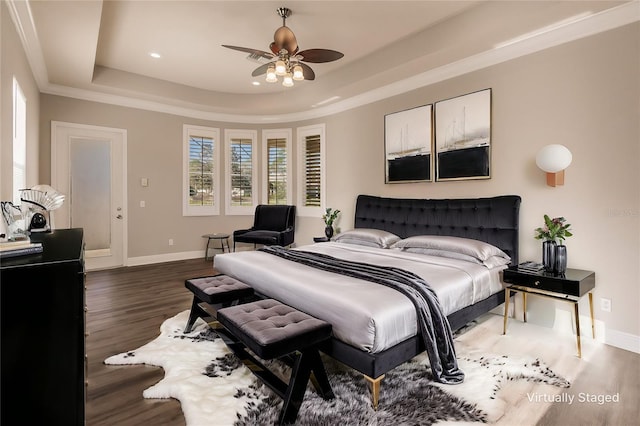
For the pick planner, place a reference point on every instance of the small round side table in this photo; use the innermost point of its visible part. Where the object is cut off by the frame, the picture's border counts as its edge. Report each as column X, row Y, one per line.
column 217, row 236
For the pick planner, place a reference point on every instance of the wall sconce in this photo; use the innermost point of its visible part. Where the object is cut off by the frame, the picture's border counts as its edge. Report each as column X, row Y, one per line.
column 553, row 159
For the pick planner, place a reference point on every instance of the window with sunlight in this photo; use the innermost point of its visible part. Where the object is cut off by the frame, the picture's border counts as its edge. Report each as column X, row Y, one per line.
column 241, row 171
column 19, row 142
column 276, row 164
column 201, row 158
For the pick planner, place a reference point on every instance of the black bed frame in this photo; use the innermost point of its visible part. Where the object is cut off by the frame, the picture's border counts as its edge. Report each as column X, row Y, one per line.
column 493, row 220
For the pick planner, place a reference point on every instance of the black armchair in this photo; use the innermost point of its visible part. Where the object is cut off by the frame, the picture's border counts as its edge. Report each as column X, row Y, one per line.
column 272, row 225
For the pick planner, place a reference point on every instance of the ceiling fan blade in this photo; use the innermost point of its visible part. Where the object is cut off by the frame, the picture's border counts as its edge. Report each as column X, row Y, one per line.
column 285, row 39
column 254, row 52
column 307, row 72
column 261, row 69
column 320, row 55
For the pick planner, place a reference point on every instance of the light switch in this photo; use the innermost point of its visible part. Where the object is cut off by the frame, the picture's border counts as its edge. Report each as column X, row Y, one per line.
column 142, row 203
column 144, row 182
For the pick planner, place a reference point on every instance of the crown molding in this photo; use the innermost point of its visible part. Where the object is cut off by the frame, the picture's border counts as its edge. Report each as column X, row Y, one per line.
column 565, row 32
column 22, row 18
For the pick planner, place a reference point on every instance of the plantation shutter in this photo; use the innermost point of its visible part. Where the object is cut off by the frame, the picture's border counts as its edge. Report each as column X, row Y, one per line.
column 312, row 164
column 241, row 172
column 201, row 182
column 277, row 171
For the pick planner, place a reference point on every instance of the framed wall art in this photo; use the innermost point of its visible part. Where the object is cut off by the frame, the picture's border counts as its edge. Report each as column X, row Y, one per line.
column 408, row 145
column 463, row 137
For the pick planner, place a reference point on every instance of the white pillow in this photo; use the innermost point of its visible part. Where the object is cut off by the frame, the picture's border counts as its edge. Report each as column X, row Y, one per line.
column 367, row 237
column 495, row 261
column 447, row 246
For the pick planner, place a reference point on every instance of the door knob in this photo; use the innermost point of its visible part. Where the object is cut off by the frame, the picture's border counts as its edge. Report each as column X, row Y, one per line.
column 119, row 216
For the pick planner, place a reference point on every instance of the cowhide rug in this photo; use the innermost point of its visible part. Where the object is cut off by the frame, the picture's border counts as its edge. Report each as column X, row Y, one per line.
column 215, row 388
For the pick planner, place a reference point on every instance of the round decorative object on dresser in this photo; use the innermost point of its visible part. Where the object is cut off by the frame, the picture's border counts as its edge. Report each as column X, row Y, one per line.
column 328, row 231
column 549, row 255
column 561, row 259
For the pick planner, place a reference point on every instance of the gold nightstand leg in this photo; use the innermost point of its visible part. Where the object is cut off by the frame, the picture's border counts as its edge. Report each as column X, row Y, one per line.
column 575, row 308
column 524, row 306
column 507, row 296
column 593, row 323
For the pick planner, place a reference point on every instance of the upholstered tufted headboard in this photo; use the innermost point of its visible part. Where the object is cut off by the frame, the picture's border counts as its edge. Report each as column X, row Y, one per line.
column 493, row 220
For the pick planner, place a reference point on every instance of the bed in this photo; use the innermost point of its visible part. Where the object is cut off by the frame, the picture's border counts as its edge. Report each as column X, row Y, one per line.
column 374, row 328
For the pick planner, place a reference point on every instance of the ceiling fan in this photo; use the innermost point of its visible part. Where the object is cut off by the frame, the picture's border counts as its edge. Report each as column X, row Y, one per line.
column 285, row 58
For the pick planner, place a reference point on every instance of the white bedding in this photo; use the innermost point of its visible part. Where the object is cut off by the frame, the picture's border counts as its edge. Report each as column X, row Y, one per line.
column 366, row 315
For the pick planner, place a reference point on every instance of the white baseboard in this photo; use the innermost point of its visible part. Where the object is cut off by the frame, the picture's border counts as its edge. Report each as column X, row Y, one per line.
column 167, row 257
column 604, row 334
column 171, row 257
column 622, row 340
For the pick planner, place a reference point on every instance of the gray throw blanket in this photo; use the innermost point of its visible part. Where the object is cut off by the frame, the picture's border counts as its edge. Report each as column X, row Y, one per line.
column 433, row 324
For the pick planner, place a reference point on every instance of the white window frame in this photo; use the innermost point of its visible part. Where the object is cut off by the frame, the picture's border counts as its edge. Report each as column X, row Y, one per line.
column 19, row 171
column 286, row 134
column 189, row 130
column 229, row 136
column 302, row 133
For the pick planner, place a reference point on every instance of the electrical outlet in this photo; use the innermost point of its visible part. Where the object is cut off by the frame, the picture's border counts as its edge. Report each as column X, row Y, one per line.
column 170, row 241
column 605, row 304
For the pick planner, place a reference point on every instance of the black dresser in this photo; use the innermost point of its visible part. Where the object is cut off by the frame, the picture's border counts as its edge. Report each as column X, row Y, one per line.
column 43, row 333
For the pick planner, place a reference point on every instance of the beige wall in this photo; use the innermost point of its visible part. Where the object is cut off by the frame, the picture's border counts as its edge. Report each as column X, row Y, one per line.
column 154, row 151
column 584, row 95
column 13, row 63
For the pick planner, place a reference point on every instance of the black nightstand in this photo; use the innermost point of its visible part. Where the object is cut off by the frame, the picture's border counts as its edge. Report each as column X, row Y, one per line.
column 568, row 287
column 320, row 239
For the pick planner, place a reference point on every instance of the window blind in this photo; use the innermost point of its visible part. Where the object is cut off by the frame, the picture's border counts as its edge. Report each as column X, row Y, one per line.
column 241, row 172
column 277, row 171
column 312, row 167
column 201, row 171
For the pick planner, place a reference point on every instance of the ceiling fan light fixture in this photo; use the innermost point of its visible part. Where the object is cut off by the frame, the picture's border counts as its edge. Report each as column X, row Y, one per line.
column 298, row 73
column 281, row 67
column 288, row 80
column 271, row 74
column 285, row 58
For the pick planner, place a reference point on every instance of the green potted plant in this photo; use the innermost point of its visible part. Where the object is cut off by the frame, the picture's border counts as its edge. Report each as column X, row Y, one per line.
column 329, row 217
column 554, row 252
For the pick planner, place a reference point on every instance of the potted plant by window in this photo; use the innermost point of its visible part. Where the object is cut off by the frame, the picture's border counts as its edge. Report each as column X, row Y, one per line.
column 329, row 217
column 554, row 252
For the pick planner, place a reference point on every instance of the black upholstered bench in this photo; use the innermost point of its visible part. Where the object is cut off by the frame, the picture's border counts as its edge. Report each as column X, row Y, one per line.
column 215, row 290
column 271, row 330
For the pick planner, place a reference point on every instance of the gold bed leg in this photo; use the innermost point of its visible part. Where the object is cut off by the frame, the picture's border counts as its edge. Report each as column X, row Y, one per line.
column 374, row 386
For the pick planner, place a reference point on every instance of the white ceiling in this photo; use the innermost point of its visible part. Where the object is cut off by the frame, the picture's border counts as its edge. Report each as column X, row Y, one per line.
column 93, row 49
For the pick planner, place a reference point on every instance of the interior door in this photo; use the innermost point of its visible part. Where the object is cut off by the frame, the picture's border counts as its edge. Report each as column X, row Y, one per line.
column 88, row 165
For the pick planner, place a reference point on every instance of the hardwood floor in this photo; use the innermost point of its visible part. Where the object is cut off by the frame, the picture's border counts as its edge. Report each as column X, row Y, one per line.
column 126, row 307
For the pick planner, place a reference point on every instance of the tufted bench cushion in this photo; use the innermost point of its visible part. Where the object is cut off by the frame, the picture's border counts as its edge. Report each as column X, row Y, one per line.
column 218, row 289
column 215, row 290
column 272, row 329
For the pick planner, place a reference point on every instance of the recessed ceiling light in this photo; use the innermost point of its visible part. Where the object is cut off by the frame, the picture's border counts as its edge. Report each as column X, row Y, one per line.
column 155, row 55
column 256, row 83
